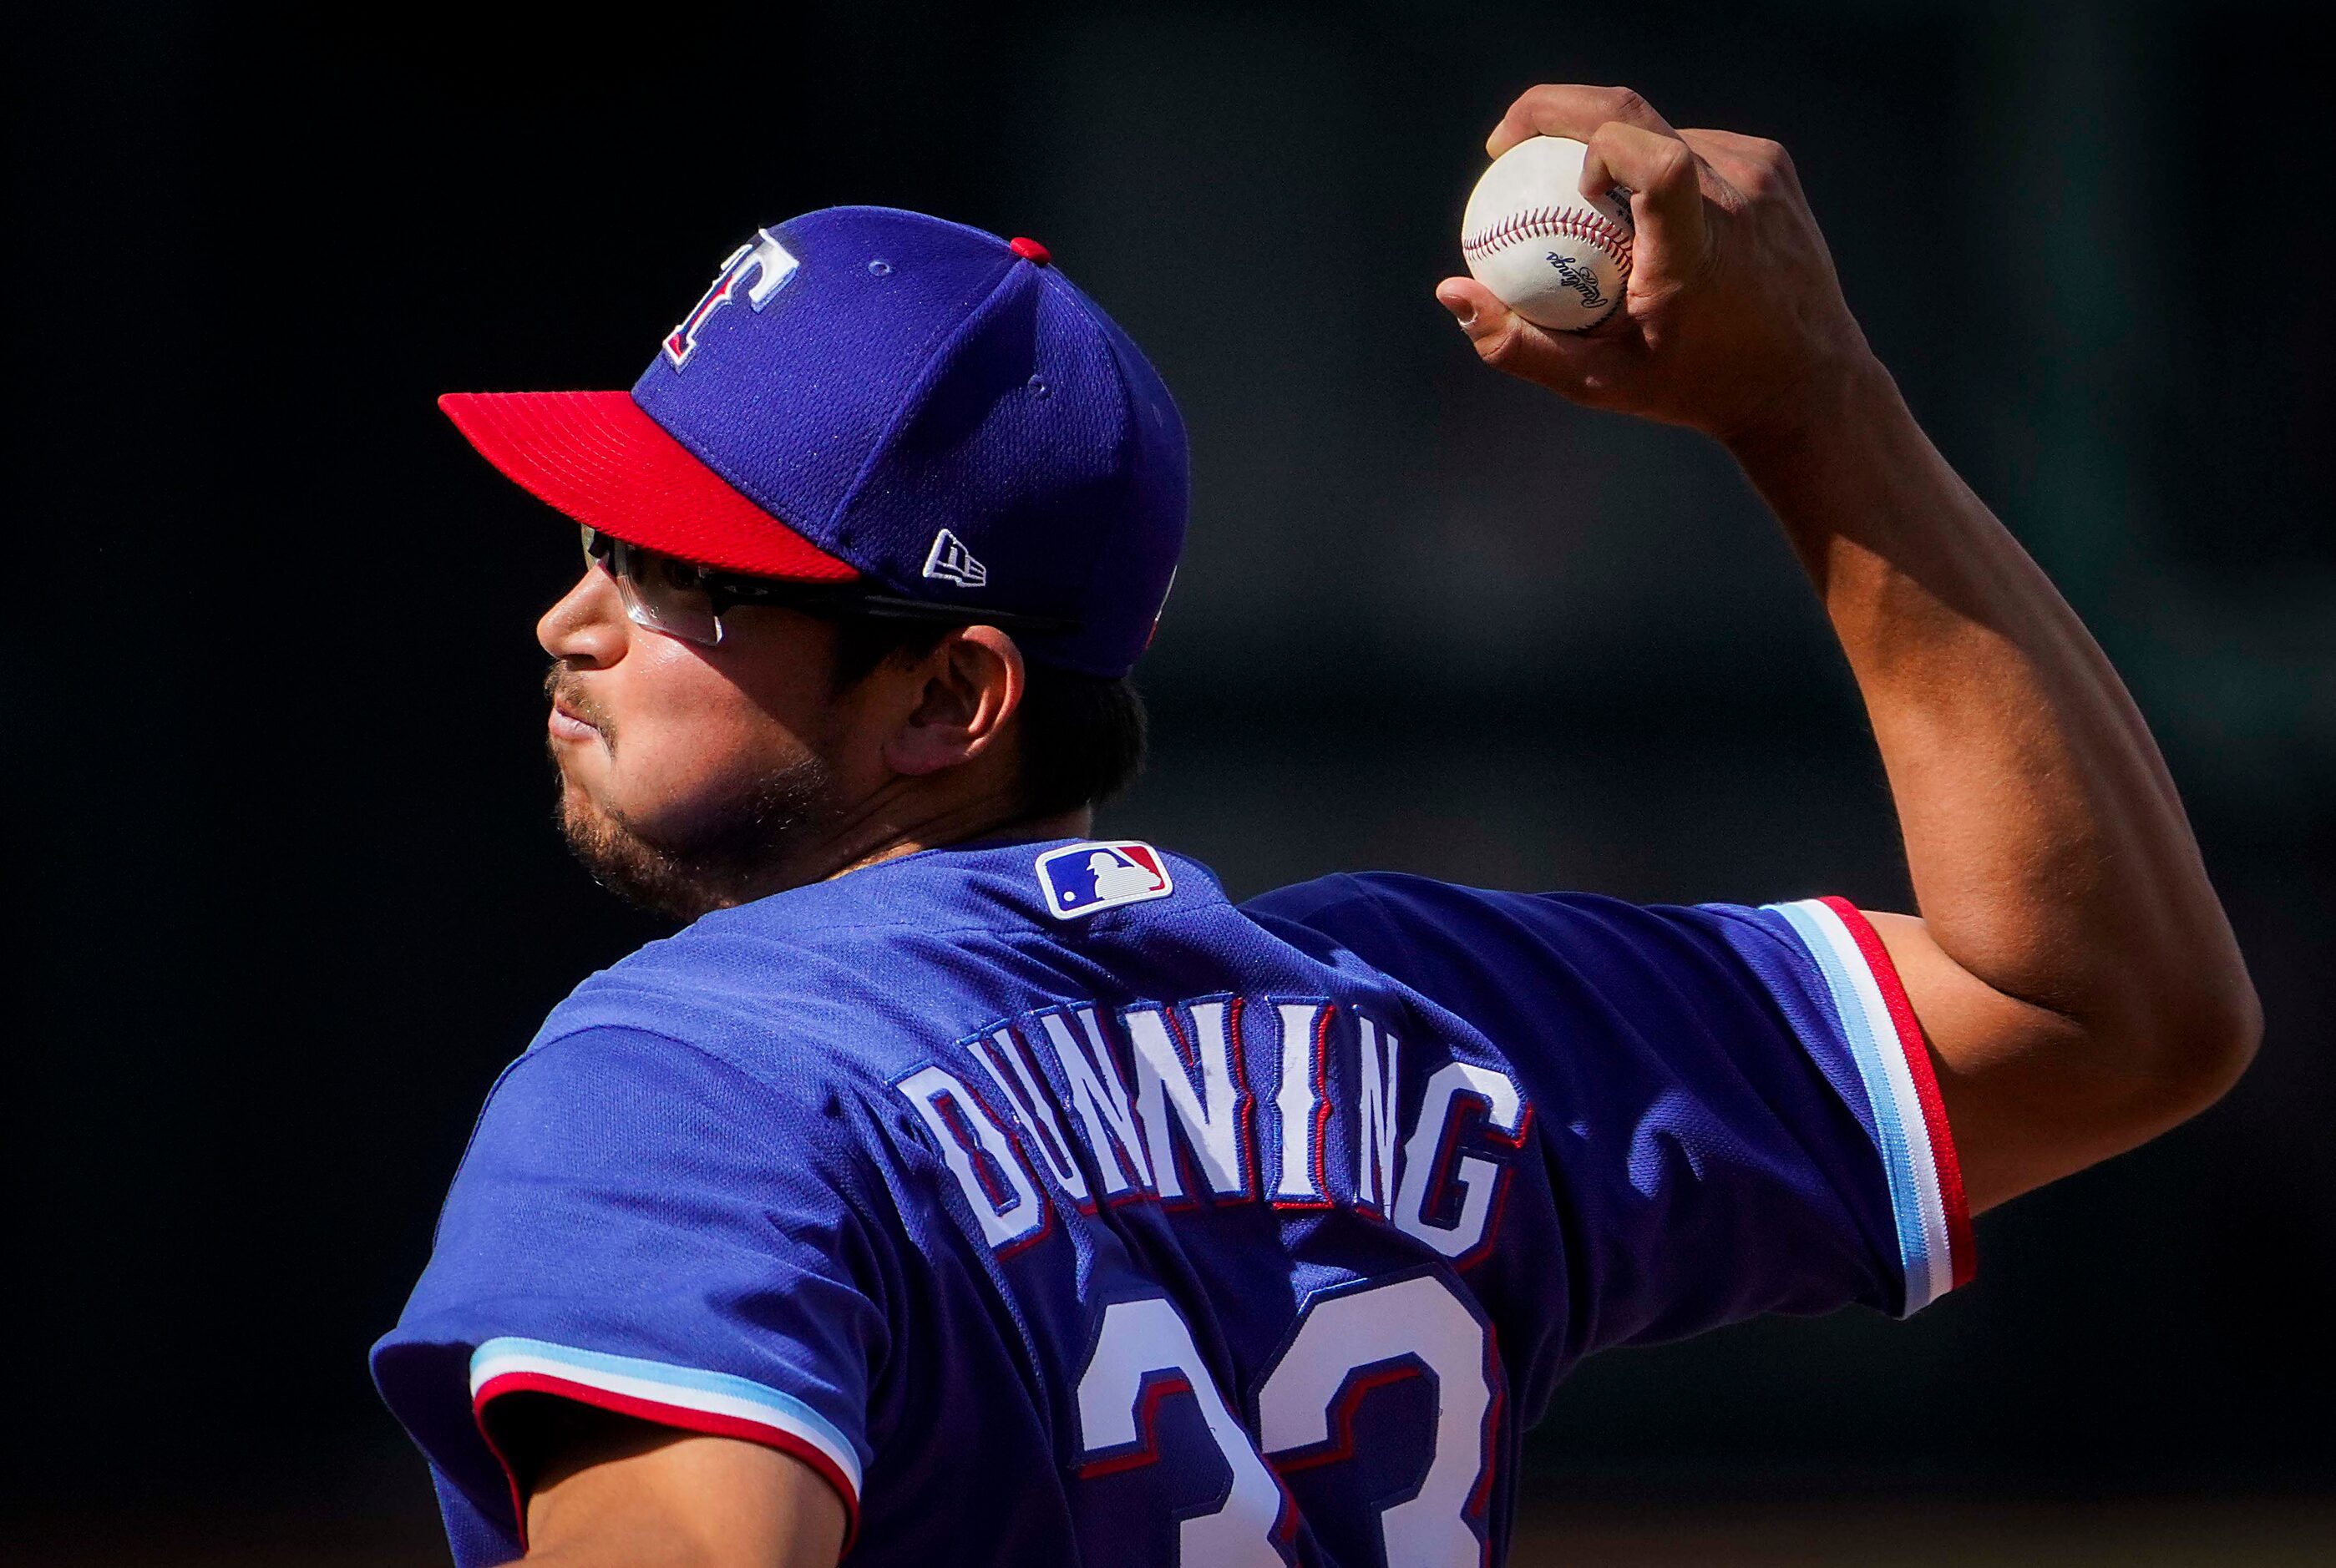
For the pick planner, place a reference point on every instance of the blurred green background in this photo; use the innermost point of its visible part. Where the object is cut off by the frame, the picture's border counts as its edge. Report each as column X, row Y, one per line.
column 293, row 900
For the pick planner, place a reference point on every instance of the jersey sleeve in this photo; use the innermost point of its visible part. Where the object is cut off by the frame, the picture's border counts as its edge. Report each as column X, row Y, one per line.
column 640, row 1226
column 1734, row 1104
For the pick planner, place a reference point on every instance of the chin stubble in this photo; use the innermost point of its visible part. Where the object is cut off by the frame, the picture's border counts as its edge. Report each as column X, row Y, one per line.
column 736, row 852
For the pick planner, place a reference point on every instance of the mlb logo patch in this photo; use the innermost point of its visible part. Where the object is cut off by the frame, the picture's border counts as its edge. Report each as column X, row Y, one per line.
column 1084, row 878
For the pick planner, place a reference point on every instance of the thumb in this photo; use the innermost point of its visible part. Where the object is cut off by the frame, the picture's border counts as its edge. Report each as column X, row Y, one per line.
column 1490, row 325
column 1508, row 342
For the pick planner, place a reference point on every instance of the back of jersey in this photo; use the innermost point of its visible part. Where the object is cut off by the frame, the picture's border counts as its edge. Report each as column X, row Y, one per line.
column 1056, row 1210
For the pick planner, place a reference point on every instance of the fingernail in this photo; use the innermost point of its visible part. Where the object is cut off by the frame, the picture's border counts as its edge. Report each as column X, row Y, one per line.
column 1463, row 309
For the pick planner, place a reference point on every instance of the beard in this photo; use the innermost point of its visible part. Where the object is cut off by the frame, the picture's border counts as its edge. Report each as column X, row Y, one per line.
column 736, row 854
column 734, row 850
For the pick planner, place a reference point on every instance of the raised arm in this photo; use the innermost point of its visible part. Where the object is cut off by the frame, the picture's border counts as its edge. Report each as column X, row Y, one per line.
column 2071, row 966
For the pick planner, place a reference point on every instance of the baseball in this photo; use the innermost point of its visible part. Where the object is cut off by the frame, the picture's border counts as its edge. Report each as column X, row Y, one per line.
column 1555, row 257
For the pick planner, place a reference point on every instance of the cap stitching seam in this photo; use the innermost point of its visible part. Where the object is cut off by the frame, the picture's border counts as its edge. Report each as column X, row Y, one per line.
column 934, row 349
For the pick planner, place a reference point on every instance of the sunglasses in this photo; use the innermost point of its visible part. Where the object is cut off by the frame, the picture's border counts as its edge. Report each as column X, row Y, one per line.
column 682, row 599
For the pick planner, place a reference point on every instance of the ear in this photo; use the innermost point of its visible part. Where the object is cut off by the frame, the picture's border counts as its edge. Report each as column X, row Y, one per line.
column 971, row 684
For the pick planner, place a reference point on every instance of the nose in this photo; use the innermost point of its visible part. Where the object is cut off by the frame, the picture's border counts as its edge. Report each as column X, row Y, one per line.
column 588, row 627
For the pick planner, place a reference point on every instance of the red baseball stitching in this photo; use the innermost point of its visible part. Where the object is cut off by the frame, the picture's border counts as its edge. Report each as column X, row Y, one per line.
column 1573, row 222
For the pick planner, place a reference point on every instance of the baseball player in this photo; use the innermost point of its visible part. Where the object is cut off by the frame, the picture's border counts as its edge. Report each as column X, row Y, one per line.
column 956, row 1187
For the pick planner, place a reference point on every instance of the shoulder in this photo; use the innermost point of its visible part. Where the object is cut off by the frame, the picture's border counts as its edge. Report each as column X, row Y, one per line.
column 1398, row 896
column 1379, row 909
column 1460, row 944
column 642, row 1226
column 611, row 1167
column 601, row 1102
column 806, row 1013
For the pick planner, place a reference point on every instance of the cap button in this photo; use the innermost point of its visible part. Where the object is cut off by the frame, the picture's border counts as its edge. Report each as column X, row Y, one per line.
column 1028, row 249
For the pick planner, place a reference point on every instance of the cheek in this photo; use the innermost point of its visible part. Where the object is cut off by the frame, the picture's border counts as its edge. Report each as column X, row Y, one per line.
column 688, row 743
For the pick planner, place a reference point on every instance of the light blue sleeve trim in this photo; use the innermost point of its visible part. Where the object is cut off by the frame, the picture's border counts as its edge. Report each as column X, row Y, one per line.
column 695, row 1389
column 1898, row 1164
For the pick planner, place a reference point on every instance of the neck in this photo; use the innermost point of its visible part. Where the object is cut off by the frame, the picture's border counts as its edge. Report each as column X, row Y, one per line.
column 970, row 827
column 907, row 815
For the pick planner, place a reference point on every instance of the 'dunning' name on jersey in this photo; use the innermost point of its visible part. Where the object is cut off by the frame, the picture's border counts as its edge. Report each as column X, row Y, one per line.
column 1297, row 1104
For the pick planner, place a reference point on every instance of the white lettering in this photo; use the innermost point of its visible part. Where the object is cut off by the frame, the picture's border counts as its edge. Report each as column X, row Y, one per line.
column 1211, row 1115
column 1035, row 1110
column 1375, row 1128
column 1100, row 1098
column 1021, row 1214
column 1297, row 1105
column 1424, row 1155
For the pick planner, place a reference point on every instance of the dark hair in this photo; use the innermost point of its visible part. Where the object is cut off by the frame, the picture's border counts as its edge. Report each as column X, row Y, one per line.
column 1083, row 736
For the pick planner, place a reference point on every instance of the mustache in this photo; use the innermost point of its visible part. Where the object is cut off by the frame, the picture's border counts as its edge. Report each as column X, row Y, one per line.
column 561, row 686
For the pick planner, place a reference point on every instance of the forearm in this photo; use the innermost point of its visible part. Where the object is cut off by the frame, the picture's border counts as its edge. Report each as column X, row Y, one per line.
column 2071, row 969
column 2049, row 853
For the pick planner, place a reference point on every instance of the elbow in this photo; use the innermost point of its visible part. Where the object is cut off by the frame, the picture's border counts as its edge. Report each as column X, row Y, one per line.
column 2201, row 1049
column 2232, row 1048
column 2097, row 1083
column 2155, row 1055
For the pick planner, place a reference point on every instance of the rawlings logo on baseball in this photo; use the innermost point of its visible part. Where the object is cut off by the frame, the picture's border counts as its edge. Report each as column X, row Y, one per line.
column 1574, row 276
column 1557, row 257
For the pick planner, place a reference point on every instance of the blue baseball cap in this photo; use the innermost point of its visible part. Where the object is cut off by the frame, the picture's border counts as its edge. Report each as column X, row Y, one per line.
column 872, row 394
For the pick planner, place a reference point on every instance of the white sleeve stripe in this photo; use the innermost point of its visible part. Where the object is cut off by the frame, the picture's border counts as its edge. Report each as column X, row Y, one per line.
column 1918, row 1205
column 679, row 1388
column 1890, row 1052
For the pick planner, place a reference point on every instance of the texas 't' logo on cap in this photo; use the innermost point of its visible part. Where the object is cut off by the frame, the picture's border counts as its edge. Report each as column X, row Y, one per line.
column 769, row 263
column 1082, row 879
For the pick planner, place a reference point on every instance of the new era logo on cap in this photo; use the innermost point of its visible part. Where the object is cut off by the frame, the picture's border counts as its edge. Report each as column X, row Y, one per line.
column 949, row 561
column 1082, row 879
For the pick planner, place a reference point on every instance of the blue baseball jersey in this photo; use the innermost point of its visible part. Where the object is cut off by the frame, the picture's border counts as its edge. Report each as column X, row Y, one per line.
column 1055, row 1209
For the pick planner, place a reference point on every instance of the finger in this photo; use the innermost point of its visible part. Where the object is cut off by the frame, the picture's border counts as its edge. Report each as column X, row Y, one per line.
column 1573, row 365
column 1568, row 110
column 1752, row 164
column 1709, row 141
column 1666, row 195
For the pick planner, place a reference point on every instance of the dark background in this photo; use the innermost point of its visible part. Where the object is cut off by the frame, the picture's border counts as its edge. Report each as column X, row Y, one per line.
column 277, row 782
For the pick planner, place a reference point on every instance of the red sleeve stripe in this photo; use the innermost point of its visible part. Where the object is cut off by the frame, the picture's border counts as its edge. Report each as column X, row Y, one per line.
column 682, row 1397
column 1926, row 1083
column 1892, row 1064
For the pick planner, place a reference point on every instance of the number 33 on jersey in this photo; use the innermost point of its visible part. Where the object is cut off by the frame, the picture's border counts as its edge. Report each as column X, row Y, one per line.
column 1345, row 1344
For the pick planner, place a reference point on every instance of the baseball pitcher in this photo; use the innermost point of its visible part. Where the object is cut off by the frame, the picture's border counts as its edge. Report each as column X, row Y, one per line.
column 957, row 1187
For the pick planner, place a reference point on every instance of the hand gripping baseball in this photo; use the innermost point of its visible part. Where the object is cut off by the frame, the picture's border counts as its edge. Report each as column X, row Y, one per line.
column 1733, row 323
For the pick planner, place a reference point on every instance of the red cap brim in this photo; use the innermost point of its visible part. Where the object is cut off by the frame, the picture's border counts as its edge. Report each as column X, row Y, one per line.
column 597, row 457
